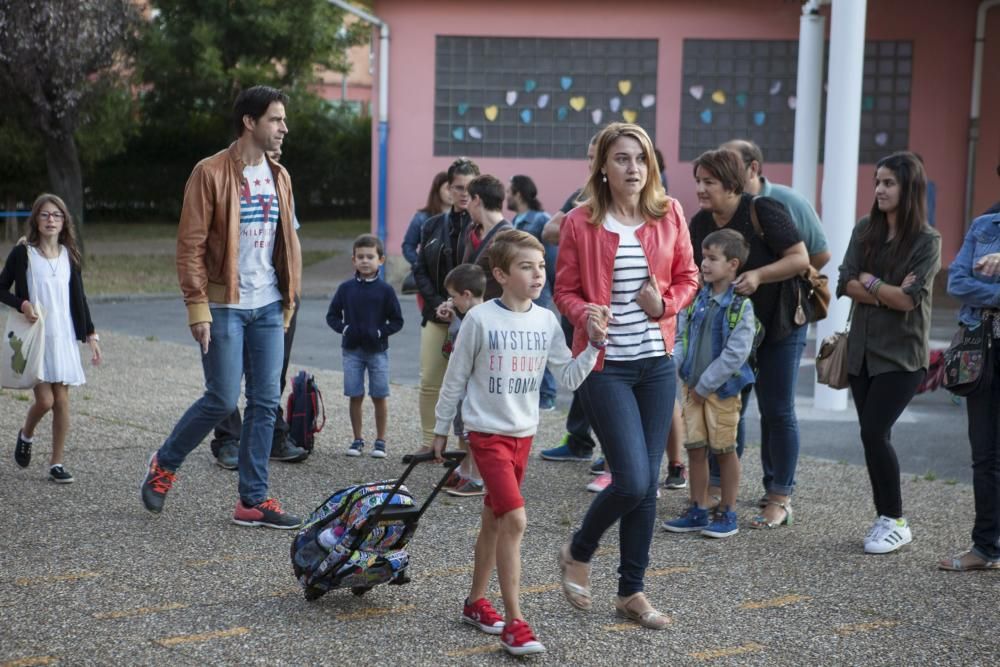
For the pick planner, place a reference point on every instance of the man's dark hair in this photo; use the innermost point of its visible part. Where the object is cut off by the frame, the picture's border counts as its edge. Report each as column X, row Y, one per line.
column 489, row 189
column 467, row 277
column 524, row 186
column 369, row 241
column 254, row 102
column 462, row 166
column 730, row 243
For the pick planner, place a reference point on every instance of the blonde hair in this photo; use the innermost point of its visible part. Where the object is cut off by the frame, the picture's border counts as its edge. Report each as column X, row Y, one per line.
column 507, row 244
column 67, row 236
column 653, row 201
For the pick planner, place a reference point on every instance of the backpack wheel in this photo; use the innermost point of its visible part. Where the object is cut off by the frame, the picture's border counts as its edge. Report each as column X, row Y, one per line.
column 360, row 590
column 313, row 593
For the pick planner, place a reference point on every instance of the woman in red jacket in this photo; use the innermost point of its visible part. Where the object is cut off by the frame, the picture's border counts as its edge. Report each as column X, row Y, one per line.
column 626, row 246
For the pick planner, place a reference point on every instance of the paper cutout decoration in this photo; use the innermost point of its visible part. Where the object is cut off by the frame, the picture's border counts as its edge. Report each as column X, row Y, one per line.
column 629, row 115
column 741, row 100
column 696, row 91
column 867, row 103
column 719, row 97
column 529, row 85
column 458, row 133
column 881, row 138
column 648, row 101
column 526, row 115
column 543, row 100
column 462, row 108
column 759, row 117
column 491, row 112
column 624, row 86
column 475, row 133
column 615, row 103
column 562, row 113
column 596, row 115
column 775, row 88
column 792, row 102
column 511, row 97
column 578, row 103
column 566, row 82
column 706, row 116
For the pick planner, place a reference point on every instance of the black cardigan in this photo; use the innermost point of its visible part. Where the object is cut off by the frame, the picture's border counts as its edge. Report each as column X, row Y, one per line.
column 15, row 272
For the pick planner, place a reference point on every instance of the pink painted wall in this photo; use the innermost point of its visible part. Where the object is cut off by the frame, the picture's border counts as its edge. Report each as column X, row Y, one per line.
column 942, row 34
column 987, row 184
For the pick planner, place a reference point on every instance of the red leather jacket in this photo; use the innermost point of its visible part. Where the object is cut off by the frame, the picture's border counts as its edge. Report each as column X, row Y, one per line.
column 586, row 266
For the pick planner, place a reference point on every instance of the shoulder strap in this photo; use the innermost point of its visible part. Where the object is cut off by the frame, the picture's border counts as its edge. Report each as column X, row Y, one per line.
column 754, row 220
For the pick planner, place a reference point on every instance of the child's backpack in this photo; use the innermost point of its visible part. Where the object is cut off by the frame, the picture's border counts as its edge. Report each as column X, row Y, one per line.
column 733, row 313
column 305, row 411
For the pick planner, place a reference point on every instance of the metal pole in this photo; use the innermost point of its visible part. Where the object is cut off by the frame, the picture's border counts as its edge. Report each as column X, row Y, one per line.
column 840, row 171
column 808, row 101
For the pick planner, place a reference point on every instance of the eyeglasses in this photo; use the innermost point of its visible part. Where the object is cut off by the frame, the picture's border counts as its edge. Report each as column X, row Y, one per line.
column 57, row 216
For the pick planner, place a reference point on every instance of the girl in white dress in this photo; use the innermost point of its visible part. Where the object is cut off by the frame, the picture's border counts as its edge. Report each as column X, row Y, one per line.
column 46, row 272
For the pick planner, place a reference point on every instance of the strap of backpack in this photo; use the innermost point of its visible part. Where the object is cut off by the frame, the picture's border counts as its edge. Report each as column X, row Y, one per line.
column 754, row 220
column 321, row 408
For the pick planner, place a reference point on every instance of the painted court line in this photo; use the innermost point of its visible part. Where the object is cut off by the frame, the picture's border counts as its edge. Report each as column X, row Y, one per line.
column 665, row 571
column 782, row 601
column 221, row 560
column 727, row 652
column 474, row 650
column 201, row 637
column 54, row 578
column 141, row 611
column 858, row 628
column 446, row 571
column 621, row 627
column 30, row 662
column 373, row 612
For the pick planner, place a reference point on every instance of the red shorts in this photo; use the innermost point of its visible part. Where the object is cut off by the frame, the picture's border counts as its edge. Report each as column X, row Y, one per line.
column 501, row 460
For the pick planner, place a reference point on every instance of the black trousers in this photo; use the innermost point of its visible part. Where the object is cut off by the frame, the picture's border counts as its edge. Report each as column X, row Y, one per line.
column 880, row 400
column 984, row 435
column 577, row 424
column 229, row 428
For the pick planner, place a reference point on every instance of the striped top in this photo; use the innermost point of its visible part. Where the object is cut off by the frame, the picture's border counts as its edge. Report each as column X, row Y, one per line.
column 631, row 334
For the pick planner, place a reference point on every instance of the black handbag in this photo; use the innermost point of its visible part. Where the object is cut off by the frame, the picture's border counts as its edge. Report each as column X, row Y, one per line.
column 968, row 361
column 409, row 284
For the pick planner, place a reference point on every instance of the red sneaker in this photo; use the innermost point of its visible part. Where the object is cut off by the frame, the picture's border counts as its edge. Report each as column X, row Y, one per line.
column 518, row 639
column 482, row 615
column 268, row 514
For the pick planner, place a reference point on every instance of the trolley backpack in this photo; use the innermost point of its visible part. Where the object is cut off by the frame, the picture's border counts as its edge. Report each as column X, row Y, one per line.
column 357, row 537
column 305, row 411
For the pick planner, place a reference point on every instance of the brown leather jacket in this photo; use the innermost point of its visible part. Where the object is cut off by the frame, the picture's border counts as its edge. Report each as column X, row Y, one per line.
column 208, row 237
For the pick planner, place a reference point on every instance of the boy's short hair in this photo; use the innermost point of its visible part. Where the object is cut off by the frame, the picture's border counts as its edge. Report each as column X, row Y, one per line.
column 467, row 278
column 507, row 244
column 369, row 241
column 490, row 191
column 732, row 244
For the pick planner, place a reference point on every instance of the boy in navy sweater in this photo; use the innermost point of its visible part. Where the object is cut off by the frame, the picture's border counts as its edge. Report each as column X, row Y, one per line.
column 365, row 311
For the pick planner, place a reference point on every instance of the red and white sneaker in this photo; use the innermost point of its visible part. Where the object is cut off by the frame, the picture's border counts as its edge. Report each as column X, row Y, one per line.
column 267, row 513
column 482, row 615
column 518, row 639
column 600, row 482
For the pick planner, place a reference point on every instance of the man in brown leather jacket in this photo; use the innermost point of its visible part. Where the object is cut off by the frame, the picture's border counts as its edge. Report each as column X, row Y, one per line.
column 239, row 266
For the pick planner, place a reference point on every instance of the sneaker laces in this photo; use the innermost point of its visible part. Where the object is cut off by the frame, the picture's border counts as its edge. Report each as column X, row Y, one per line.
column 271, row 504
column 161, row 479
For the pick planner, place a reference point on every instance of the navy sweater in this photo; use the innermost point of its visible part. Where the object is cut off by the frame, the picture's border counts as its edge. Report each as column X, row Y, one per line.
column 366, row 313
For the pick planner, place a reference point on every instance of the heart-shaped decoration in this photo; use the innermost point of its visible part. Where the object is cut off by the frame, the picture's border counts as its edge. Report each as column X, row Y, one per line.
column 525, row 115
column 511, row 97
column 629, row 115
column 759, row 117
column 775, row 88
column 596, row 115
column 881, row 138
column 706, row 116
column 648, row 101
column 530, row 85
column 566, row 82
column 719, row 97
column 462, row 108
column 475, row 133
column 543, row 100
column 458, row 133
column 624, row 86
column 867, row 103
column 696, row 91
column 615, row 103
column 562, row 113
column 741, row 100
column 792, row 102
column 491, row 112
column 578, row 103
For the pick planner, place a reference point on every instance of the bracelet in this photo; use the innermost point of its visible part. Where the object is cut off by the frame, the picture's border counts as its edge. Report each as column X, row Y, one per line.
column 600, row 346
column 94, row 337
column 871, row 283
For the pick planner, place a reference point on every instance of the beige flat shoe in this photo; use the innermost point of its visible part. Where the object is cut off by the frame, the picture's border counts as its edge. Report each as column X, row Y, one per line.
column 577, row 594
column 636, row 608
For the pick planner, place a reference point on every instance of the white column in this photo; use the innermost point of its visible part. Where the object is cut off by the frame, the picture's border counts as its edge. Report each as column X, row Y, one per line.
column 840, row 166
column 808, row 102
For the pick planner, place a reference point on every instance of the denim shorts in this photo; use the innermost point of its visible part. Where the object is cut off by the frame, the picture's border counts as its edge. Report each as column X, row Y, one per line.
column 377, row 364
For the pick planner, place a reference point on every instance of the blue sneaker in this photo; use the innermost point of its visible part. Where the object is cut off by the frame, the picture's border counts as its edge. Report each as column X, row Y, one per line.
column 356, row 447
column 597, row 467
column 547, row 403
column 563, row 452
column 694, row 519
column 723, row 525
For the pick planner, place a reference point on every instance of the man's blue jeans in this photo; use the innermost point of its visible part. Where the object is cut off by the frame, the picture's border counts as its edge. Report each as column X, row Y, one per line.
column 625, row 404
column 244, row 342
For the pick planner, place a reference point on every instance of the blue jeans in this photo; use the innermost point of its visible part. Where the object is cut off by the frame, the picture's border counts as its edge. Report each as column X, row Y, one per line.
column 356, row 361
column 625, row 404
column 244, row 342
column 779, row 427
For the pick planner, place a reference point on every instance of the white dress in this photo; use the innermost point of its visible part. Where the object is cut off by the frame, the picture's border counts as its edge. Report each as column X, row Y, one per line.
column 48, row 285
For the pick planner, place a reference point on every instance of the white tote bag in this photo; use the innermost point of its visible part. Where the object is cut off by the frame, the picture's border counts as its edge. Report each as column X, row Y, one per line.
column 23, row 351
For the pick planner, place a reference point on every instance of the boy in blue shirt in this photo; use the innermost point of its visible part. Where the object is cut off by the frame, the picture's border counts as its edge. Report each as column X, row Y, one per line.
column 365, row 311
column 715, row 336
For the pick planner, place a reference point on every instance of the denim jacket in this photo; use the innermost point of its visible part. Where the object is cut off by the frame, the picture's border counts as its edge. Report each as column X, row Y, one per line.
column 973, row 289
column 730, row 370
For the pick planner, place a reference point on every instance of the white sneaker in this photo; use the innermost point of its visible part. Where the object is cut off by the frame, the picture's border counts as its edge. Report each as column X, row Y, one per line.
column 887, row 535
